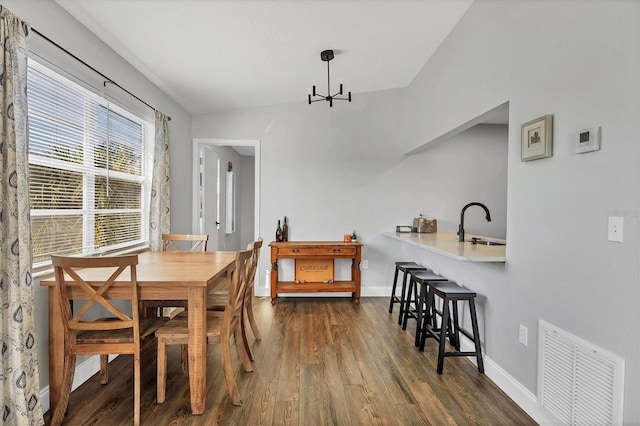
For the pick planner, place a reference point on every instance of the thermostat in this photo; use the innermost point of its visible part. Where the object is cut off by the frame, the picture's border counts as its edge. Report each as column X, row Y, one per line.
column 587, row 140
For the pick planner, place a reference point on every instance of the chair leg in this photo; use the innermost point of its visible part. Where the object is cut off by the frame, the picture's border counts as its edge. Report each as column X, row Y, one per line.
column 252, row 320
column 225, row 351
column 245, row 339
column 104, row 369
column 242, row 351
column 61, row 408
column 136, row 387
column 162, row 371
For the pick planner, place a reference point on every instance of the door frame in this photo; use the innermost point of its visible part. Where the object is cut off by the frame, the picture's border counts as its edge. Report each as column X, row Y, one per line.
column 197, row 142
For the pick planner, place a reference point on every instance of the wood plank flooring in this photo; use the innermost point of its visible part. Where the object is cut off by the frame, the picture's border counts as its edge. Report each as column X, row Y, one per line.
column 320, row 362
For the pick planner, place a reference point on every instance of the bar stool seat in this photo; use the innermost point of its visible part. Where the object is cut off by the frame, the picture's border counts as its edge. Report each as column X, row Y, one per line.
column 420, row 311
column 403, row 267
column 450, row 292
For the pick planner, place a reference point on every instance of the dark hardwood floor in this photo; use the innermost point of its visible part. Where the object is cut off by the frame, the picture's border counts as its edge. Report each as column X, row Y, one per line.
column 320, row 362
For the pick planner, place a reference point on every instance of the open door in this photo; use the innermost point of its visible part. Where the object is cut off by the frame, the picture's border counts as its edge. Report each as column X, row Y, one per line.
column 209, row 195
column 211, row 166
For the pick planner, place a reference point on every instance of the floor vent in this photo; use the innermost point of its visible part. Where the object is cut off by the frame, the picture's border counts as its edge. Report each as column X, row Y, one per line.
column 578, row 383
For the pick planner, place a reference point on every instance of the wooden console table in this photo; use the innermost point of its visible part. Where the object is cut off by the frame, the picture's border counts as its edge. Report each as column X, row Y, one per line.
column 316, row 250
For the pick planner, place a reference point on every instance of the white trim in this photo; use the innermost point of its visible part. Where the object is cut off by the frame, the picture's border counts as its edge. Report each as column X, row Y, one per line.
column 196, row 170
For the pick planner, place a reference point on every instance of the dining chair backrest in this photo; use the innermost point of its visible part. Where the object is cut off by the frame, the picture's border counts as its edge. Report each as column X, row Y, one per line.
column 184, row 242
column 75, row 271
column 237, row 288
column 256, row 248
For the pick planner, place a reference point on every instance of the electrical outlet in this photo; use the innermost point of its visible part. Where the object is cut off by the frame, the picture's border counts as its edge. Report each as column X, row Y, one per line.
column 522, row 337
column 614, row 229
column 364, row 264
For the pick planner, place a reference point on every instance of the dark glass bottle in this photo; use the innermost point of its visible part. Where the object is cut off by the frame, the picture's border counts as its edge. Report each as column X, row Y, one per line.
column 279, row 234
column 285, row 230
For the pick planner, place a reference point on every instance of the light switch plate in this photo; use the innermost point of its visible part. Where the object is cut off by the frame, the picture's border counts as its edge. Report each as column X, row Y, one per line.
column 615, row 229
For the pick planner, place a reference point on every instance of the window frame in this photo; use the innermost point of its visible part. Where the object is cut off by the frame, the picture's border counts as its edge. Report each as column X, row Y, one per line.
column 90, row 171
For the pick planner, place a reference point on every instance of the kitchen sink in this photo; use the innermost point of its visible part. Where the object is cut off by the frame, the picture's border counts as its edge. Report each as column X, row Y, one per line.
column 486, row 242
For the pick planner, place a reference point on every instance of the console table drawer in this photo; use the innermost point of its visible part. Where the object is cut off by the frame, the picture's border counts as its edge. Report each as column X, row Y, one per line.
column 316, row 251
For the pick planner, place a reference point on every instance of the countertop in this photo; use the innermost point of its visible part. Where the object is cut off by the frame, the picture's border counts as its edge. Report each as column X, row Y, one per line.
column 446, row 244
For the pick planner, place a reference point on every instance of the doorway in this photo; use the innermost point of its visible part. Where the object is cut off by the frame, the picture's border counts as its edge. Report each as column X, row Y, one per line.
column 215, row 162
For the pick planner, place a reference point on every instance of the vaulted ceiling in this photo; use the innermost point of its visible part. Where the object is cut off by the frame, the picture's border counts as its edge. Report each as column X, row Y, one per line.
column 217, row 55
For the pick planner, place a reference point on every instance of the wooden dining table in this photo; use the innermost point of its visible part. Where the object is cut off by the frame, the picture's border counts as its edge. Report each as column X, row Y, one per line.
column 162, row 275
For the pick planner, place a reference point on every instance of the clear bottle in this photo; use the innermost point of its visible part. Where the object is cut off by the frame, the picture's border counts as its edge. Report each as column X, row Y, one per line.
column 285, row 230
column 279, row 234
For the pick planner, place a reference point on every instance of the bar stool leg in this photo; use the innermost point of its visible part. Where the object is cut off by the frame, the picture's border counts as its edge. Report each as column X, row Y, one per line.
column 443, row 335
column 476, row 334
column 425, row 328
column 422, row 315
column 407, row 303
column 403, row 298
column 454, row 336
column 393, row 292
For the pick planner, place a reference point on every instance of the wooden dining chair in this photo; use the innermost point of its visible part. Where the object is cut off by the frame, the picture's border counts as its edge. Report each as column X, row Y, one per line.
column 216, row 301
column 220, row 327
column 184, row 242
column 175, row 242
column 119, row 333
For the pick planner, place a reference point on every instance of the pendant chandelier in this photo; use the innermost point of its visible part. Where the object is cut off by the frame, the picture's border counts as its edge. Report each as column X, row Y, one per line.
column 327, row 56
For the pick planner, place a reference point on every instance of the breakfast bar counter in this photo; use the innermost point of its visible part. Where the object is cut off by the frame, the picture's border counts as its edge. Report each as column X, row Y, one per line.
column 446, row 244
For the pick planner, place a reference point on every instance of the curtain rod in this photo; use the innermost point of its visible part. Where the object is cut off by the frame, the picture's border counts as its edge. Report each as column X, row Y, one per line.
column 107, row 79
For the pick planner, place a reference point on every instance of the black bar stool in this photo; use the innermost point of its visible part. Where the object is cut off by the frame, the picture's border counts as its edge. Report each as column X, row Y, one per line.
column 416, row 313
column 451, row 292
column 403, row 267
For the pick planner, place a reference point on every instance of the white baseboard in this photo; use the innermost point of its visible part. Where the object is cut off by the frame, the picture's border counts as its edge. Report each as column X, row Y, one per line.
column 84, row 371
column 381, row 291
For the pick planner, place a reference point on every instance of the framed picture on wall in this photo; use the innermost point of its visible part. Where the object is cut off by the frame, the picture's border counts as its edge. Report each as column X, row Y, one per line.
column 537, row 138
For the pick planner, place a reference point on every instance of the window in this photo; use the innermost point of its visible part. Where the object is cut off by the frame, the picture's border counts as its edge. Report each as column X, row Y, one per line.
column 89, row 170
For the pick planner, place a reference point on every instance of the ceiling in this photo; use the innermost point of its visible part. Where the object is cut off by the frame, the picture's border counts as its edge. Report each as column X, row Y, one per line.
column 218, row 55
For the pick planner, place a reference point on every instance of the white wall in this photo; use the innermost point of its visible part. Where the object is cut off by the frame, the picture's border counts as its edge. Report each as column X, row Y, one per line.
column 579, row 62
column 332, row 170
column 246, row 200
column 48, row 18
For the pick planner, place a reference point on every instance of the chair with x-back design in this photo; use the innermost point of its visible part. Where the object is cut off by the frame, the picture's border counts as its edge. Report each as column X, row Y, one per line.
column 119, row 333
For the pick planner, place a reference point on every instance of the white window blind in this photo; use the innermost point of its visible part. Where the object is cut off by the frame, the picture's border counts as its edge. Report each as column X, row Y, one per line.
column 89, row 170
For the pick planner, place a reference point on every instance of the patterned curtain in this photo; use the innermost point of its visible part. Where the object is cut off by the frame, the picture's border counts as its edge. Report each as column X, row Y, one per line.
column 160, row 211
column 19, row 380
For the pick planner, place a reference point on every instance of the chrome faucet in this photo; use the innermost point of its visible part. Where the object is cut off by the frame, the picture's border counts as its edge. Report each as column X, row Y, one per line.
column 461, row 226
